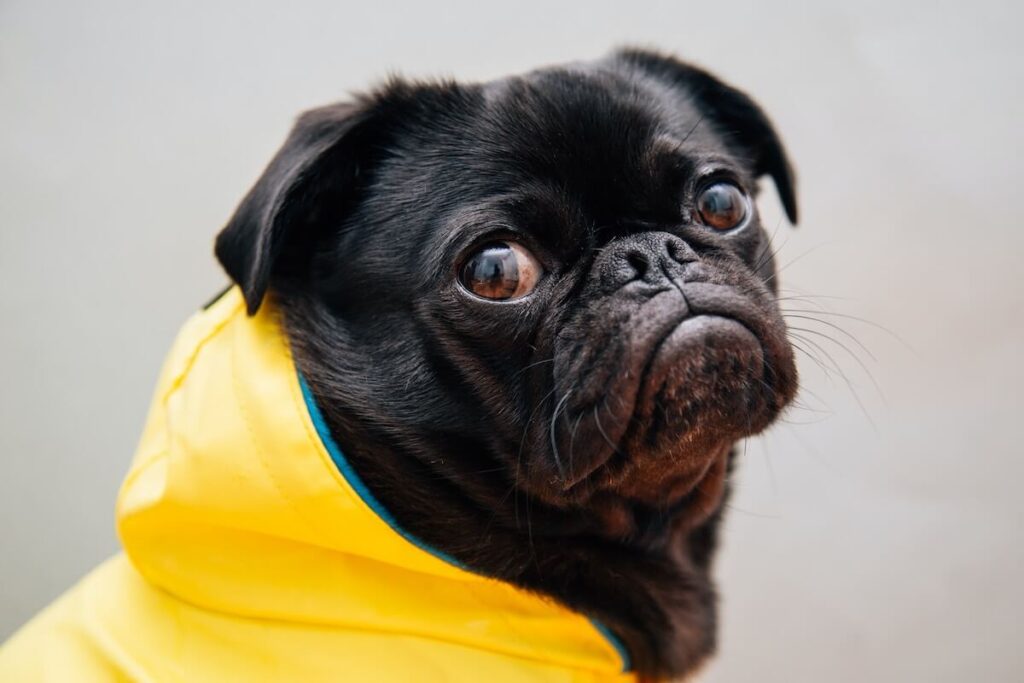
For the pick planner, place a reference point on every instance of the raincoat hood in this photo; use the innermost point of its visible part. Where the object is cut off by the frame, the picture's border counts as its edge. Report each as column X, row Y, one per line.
column 253, row 551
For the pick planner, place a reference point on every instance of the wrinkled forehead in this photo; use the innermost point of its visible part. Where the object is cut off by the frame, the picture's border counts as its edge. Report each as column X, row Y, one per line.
column 594, row 114
column 614, row 144
column 560, row 153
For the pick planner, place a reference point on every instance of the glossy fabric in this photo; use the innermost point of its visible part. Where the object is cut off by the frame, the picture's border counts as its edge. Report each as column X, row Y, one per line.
column 250, row 555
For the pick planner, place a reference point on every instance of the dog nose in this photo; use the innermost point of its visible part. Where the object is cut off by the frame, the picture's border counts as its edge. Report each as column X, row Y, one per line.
column 651, row 256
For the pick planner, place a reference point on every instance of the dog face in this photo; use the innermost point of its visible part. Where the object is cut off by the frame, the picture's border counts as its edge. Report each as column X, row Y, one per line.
column 555, row 283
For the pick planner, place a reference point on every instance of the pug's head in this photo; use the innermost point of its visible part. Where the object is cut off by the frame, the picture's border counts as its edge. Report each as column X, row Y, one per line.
column 556, row 283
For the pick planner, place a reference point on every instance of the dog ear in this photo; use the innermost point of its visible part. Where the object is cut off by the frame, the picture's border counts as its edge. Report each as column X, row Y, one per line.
column 306, row 183
column 735, row 115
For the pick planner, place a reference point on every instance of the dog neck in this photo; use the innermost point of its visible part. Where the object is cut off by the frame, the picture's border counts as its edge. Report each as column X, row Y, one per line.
column 651, row 587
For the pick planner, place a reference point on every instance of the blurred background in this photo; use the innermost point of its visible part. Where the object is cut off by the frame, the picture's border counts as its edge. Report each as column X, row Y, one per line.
column 875, row 535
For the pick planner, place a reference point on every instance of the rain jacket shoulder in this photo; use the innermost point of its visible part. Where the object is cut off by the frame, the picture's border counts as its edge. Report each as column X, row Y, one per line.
column 253, row 552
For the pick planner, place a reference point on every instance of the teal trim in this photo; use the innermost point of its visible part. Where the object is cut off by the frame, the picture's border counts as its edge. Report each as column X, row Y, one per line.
column 356, row 482
column 620, row 647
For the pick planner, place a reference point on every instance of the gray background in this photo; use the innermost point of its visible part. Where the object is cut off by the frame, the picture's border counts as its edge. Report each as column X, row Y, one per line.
column 876, row 534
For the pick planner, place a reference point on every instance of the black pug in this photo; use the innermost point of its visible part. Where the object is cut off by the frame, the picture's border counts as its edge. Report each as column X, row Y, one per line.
column 538, row 313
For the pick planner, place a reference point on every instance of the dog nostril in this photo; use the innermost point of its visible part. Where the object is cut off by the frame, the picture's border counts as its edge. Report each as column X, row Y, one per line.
column 638, row 262
column 680, row 252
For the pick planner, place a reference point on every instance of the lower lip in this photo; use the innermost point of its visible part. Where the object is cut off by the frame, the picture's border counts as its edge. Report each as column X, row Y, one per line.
column 707, row 325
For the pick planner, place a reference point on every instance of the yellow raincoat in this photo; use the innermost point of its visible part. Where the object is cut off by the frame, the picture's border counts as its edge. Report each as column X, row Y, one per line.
column 253, row 552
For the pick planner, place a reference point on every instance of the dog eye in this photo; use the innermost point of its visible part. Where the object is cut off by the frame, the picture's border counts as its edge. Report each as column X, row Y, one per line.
column 722, row 206
column 500, row 270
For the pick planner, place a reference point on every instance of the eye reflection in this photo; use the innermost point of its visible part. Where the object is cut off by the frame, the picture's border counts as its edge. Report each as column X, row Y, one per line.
column 722, row 206
column 500, row 271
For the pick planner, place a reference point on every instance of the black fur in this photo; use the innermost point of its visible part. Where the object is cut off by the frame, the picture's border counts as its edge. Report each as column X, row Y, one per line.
column 575, row 442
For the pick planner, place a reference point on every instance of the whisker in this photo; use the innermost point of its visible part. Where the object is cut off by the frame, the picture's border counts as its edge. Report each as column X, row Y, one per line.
column 833, row 366
column 846, row 380
column 768, row 253
column 600, row 428
column 856, row 358
column 551, row 433
column 809, row 355
column 865, row 321
column 779, row 270
column 800, row 294
column 533, row 365
column 858, row 342
column 572, row 446
column 519, row 455
column 738, row 510
column 691, row 131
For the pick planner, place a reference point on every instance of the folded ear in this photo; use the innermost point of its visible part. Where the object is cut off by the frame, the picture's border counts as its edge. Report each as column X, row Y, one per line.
column 305, row 183
column 735, row 115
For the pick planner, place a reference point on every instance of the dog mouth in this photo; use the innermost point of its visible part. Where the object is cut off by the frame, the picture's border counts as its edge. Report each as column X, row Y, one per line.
column 704, row 383
column 653, row 415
